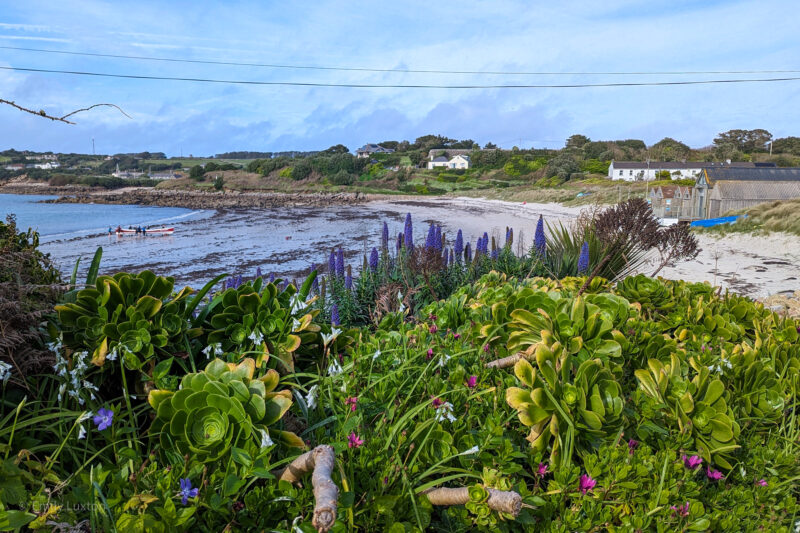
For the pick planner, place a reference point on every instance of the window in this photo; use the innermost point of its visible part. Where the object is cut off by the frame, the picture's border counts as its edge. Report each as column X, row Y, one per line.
column 620, row 173
column 630, row 173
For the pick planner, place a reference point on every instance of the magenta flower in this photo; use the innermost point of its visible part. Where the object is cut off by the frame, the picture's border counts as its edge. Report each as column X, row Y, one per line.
column 632, row 444
column 692, row 462
column 430, row 354
column 542, row 470
column 351, row 401
column 586, row 483
column 432, row 317
column 683, row 510
column 762, row 482
column 353, row 441
column 486, row 348
column 472, row 381
column 433, row 329
column 437, row 403
column 103, row 419
column 713, row 475
column 456, row 336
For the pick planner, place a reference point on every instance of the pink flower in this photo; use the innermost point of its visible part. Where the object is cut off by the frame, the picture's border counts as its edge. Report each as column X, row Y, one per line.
column 437, row 403
column 683, row 510
column 713, row 475
column 353, row 441
column 432, row 317
column 632, row 444
column 762, row 483
column 586, row 483
column 692, row 462
column 542, row 470
column 351, row 401
column 433, row 329
column 456, row 336
column 486, row 348
column 430, row 354
column 472, row 381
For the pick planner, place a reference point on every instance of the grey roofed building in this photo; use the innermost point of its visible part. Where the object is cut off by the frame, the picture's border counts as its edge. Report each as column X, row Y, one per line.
column 753, row 174
column 721, row 190
column 680, row 165
column 368, row 149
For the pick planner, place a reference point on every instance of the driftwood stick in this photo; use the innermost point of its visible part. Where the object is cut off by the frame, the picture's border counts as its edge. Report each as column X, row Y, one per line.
column 320, row 461
column 506, row 362
column 499, row 500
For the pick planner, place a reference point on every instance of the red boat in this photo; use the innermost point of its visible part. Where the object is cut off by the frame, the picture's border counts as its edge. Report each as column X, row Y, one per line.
column 123, row 232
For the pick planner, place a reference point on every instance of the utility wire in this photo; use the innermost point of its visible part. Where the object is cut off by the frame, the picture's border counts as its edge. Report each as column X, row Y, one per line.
column 398, row 70
column 394, row 86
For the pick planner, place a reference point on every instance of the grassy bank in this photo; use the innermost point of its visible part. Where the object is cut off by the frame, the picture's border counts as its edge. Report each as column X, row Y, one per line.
column 767, row 217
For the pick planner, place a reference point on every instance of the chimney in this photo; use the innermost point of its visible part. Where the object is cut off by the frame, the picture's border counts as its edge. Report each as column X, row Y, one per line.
column 728, row 161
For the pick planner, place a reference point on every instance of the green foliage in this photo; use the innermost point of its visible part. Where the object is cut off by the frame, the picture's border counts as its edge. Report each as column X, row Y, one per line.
column 220, row 411
column 219, row 183
column 594, row 166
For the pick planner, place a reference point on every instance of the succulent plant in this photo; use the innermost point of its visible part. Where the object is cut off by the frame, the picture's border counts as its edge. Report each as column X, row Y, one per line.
column 135, row 314
column 221, row 408
column 652, row 294
column 565, row 406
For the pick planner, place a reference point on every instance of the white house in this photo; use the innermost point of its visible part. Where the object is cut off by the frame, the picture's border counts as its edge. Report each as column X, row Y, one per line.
column 457, row 161
column 649, row 170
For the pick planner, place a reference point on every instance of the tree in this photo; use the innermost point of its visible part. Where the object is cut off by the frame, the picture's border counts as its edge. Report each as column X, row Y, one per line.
column 490, row 146
column 789, row 145
column 219, row 183
column 196, row 173
column 745, row 140
column 576, row 141
column 337, row 149
column 562, row 166
column 668, row 149
column 392, row 145
column 302, row 169
column 634, row 144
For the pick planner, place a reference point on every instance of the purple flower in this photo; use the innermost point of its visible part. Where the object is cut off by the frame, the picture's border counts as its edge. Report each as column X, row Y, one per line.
column 692, row 462
column 187, row 491
column 334, row 315
column 348, row 282
column 408, row 233
column 258, row 272
column 459, row 245
column 433, row 329
column 495, row 254
column 472, row 381
column 542, row 470
column 385, row 237
column 467, row 253
column 103, row 418
column 456, row 336
column 430, row 240
column 373, row 259
column 486, row 348
column 632, row 444
column 583, row 260
column 713, row 475
column 352, row 401
column 339, row 263
column 429, row 356
column 399, row 241
column 539, row 241
column 332, row 263
column 762, row 482
column 353, row 441
column 438, row 243
column 586, row 483
column 683, row 510
column 315, row 283
column 272, row 277
column 437, row 403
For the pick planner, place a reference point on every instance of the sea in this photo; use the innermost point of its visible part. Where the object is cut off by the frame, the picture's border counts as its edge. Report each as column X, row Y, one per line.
column 285, row 241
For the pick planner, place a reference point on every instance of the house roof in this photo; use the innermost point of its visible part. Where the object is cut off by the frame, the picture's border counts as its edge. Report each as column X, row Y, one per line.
column 452, row 152
column 441, row 159
column 462, row 156
column 753, row 174
column 756, row 190
column 370, row 148
column 680, row 165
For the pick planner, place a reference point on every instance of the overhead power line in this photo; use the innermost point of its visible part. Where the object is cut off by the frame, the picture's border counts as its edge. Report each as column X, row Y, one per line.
column 397, row 86
column 396, row 70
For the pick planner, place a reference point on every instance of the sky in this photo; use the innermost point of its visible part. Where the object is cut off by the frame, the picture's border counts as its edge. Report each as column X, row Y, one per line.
column 182, row 118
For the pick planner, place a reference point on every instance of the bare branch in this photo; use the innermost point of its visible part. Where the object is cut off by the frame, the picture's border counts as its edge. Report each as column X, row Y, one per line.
column 43, row 114
column 504, row 501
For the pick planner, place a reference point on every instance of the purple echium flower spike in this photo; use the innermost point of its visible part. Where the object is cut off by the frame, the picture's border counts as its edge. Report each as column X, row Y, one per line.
column 315, row 283
column 430, row 240
column 438, row 241
column 332, row 263
column 539, row 241
column 373, row 259
column 408, row 233
column 495, row 254
column 258, row 272
column 459, row 245
column 334, row 315
column 583, row 260
column 340, row 263
column 272, row 277
column 385, row 237
column 467, row 253
column 348, row 282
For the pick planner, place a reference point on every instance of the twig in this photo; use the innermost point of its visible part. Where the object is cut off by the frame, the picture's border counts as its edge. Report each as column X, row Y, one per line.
column 506, row 362
column 499, row 500
column 321, row 461
column 41, row 112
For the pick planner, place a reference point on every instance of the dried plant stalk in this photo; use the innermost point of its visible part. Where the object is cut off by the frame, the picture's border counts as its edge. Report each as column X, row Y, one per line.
column 499, row 500
column 320, row 461
column 506, row 362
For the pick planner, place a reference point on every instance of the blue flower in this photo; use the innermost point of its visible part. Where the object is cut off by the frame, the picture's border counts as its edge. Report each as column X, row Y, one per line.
column 348, row 282
column 495, row 253
column 103, row 418
column 583, row 260
column 408, row 233
column 539, row 242
column 373, row 259
column 332, row 263
column 459, row 246
column 258, row 272
column 315, row 283
column 334, row 315
column 187, row 491
column 272, row 277
column 385, row 237
column 430, row 241
column 340, row 263
column 438, row 238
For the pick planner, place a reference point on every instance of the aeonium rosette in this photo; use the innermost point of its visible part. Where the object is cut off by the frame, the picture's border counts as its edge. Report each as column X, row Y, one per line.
column 220, row 408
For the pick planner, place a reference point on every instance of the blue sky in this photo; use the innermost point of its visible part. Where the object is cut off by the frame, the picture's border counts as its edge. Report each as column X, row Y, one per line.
column 571, row 36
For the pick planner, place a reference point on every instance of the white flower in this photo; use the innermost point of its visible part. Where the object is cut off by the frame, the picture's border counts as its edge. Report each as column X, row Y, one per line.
column 470, row 451
column 296, row 304
column 5, row 371
column 445, row 411
column 256, row 337
column 400, row 299
column 335, row 368
column 376, row 354
column 81, row 432
column 295, row 324
column 213, row 350
column 326, row 339
column 112, row 355
column 311, row 397
column 443, row 359
column 265, row 440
